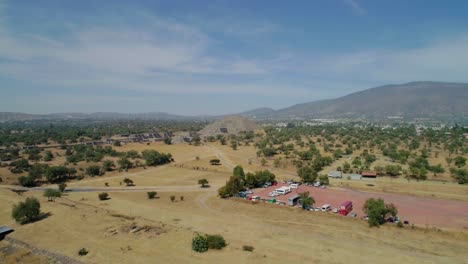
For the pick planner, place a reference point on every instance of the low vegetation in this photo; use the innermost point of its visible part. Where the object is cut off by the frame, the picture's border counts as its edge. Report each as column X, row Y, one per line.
column 103, row 196
column 52, row 194
column 151, row 195
column 202, row 243
column 27, row 211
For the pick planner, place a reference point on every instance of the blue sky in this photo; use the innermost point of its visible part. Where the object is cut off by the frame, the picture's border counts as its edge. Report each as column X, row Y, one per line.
column 217, row 57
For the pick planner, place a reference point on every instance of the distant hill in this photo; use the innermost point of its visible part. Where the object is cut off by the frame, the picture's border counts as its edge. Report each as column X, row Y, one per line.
column 229, row 125
column 410, row 100
column 257, row 112
column 435, row 100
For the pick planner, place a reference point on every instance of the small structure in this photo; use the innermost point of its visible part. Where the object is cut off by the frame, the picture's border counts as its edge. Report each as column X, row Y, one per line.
column 5, row 230
column 223, row 130
column 354, row 176
column 335, row 174
column 293, row 200
column 369, row 174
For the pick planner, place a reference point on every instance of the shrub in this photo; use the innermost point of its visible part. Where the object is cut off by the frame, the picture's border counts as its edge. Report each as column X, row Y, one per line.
column 151, row 195
column 83, row 252
column 181, row 198
column 172, row 198
column 199, row 244
column 248, row 248
column 27, row 211
column 26, row 181
column 103, row 196
column 215, row 241
column 400, row 225
column 128, row 182
column 62, row 186
column 51, row 194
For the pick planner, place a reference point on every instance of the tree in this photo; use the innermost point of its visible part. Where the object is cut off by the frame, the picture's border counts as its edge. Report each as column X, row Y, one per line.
column 323, row 179
column 437, row 169
column 263, row 161
column 234, row 145
column 51, row 194
column 93, row 170
column 215, row 241
column 116, row 143
column 103, row 196
column 306, row 200
column 48, row 156
column 307, row 174
column 27, row 211
column 377, row 211
column 124, row 163
column 199, row 244
column 172, row 197
column 151, row 195
column 239, row 172
column 57, row 174
column 27, row 181
column 108, row 165
column 346, row 167
column 168, row 141
column 62, row 186
column 460, row 161
column 154, row 158
column 128, row 182
column 203, row 182
column 215, row 162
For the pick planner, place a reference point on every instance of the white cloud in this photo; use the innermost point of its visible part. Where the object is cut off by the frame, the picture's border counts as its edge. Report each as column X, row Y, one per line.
column 355, row 6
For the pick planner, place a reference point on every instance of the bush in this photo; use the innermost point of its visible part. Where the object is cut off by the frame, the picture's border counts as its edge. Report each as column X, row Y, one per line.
column 248, row 248
column 181, row 198
column 51, row 194
column 103, row 196
column 199, row 244
column 26, row 181
column 83, row 252
column 215, row 241
column 172, row 198
column 27, row 211
column 62, row 186
column 400, row 225
column 151, row 195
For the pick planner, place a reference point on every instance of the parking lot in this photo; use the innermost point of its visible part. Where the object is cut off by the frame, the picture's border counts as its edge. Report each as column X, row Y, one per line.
column 417, row 210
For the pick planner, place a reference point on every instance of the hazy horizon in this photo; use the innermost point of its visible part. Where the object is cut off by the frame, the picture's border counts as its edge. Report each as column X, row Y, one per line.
column 219, row 57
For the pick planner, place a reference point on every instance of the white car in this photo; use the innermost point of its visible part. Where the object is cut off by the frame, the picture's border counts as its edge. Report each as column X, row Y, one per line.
column 294, row 185
column 335, row 210
column 317, row 209
column 272, row 194
column 317, row 184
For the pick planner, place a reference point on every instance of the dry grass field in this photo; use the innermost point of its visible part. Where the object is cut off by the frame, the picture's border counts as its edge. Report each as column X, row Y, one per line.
column 130, row 228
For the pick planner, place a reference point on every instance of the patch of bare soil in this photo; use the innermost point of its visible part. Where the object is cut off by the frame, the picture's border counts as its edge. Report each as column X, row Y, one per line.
column 136, row 229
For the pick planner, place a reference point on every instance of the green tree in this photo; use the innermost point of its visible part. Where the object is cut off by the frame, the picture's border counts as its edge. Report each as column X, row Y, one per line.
column 460, row 161
column 346, row 167
column 57, row 174
column 128, row 182
column 168, row 141
column 199, row 244
column 27, row 211
column 307, row 174
column 377, row 211
column 124, row 163
column 151, row 195
column 103, row 196
column 62, row 186
column 323, row 179
column 306, row 200
column 93, row 170
column 51, row 194
column 108, row 165
column 26, row 181
column 203, row 182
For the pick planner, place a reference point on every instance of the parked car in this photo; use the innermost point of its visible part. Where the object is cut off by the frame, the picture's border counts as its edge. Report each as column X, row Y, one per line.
column 365, row 218
column 335, row 210
column 352, row 215
column 248, row 191
column 267, row 184
column 317, row 184
column 317, row 209
column 255, row 198
column 294, row 185
column 281, row 203
column 323, row 186
column 272, row 194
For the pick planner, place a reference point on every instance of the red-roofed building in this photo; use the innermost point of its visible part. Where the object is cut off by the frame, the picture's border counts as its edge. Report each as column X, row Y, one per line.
column 369, row 174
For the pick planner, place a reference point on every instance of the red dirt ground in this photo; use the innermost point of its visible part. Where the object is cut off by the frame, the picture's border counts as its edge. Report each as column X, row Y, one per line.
column 416, row 210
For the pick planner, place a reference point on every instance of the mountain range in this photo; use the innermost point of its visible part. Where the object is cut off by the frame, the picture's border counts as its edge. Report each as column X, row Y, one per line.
column 435, row 100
